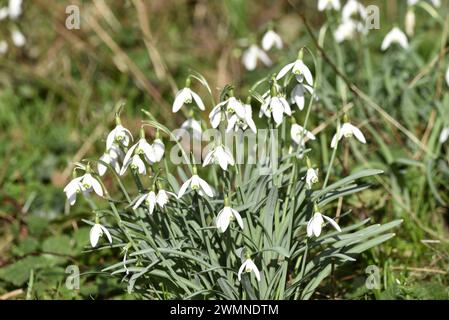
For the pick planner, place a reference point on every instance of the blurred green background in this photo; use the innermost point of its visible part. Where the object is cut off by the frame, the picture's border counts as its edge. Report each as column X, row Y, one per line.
column 57, row 95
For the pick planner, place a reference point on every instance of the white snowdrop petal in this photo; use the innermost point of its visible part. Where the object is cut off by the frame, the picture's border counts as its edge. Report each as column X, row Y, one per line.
column 106, row 232
column 206, row 188
column 94, row 235
column 358, row 134
column 198, row 101
column 184, row 187
column 179, row 100
column 284, row 70
column 333, row 223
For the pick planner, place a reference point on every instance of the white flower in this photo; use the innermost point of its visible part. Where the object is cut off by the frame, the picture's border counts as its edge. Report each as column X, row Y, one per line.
column 345, row 31
column 96, row 232
column 270, row 39
column 3, row 47
column 235, row 122
column 4, row 12
column 136, row 164
column 196, row 183
column 328, row 4
column 158, row 150
column 298, row 68
column 444, row 134
column 395, row 36
column 151, row 199
column 410, row 22
column 15, row 8
column 447, row 76
column 162, row 198
column 347, row 131
column 252, row 54
column 110, row 157
column 298, row 133
column 311, row 177
column 120, row 135
column 316, row 223
column 276, row 106
column 221, row 155
column 186, row 96
column 351, row 8
column 191, row 124
column 142, row 147
column 18, row 38
column 86, row 183
column 297, row 94
column 72, row 189
column 231, row 106
column 225, row 216
column 248, row 266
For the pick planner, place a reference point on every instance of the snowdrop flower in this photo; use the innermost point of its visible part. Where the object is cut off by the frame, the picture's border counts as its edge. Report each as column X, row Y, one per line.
column 196, row 183
column 311, row 177
column 15, row 8
column 3, row 47
column 86, row 183
column 142, row 147
column 235, row 122
column 315, row 224
column 297, row 94
column 186, row 96
column 72, row 189
column 151, row 199
column 120, row 135
column 351, row 8
column 444, row 134
column 136, row 164
column 345, row 31
column 410, row 22
column 299, row 69
column 18, row 38
column 276, row 106
column 110, row 157
column 270, row 39
column 225, row 216
column 96, row 232
column 158, row 149
column 328, row 4
column 230, row 106
column 347, row 131
column 221, row 155
column 4, row 12
column 298, row 133
column 395, row 36
column 252, row 54
column 248, row 266
column 162, row 198
column 190, row 124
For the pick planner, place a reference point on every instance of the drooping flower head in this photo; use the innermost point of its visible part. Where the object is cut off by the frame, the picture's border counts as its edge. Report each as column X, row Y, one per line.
column 226, row 215
column 252, row 55
column 187, row 96
column 248, row 266
column 347, row 130
column 316, row 223
column 270, row 39
column 395, row 36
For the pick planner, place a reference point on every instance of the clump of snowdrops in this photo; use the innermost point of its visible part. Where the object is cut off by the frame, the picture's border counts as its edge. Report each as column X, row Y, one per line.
column 232, row 219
